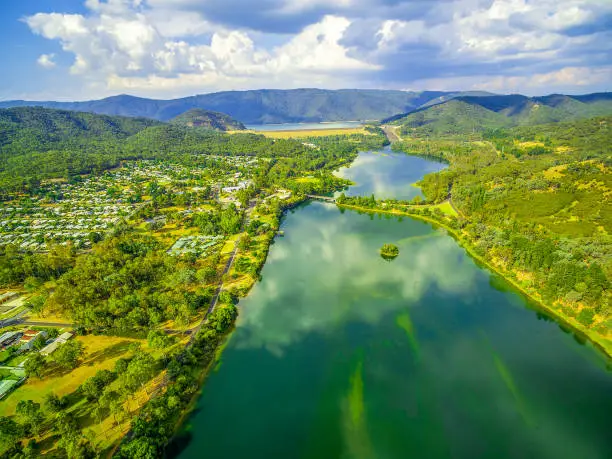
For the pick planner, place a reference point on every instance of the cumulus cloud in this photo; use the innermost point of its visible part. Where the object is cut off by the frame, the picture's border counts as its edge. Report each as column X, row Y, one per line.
column 178, row 46
column 131, row 47
column 46, row 61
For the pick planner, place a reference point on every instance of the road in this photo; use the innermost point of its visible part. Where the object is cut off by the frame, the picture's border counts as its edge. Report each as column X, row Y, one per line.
column 194, row 331
column 15, row 320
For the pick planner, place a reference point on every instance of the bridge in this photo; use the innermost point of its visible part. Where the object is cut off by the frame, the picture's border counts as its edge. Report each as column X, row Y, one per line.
column 321, row 198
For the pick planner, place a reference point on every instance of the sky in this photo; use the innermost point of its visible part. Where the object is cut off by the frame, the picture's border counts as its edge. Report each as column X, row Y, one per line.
column 89, row 49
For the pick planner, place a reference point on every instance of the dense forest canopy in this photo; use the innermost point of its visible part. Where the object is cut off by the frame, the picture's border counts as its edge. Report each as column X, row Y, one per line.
column 537, row 201
column 196, row 117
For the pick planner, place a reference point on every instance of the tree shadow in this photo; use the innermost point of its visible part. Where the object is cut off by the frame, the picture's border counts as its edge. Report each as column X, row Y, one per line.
column 85, row 416
column 54, row 370
column 109, row 352
column 48, row 443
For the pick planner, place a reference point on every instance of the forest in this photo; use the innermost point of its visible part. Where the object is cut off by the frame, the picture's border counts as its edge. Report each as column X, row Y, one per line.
column 40, row 144
column 535, row 201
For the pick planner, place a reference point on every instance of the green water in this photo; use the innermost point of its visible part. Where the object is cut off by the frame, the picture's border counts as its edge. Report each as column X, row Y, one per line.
column 387, row 174
column 340, row 354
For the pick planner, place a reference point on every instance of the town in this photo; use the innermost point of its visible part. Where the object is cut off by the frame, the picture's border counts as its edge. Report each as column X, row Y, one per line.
column 202, row 214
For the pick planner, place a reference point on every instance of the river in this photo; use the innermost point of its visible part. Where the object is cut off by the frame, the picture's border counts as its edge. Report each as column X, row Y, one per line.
column 338, row 353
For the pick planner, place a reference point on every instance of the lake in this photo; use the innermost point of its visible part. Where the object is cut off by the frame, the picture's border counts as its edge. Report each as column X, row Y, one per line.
column 338, row 353
column 387, row 174
column 304, row 126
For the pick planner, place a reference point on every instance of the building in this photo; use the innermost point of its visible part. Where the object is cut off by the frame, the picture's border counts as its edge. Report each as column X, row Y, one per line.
column 52, row 347
column 64, row 337
column 6, row 386
column 9, row 338
column 28, row 338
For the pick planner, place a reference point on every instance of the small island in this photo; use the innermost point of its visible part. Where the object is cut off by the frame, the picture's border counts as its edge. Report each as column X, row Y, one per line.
column 389, row 251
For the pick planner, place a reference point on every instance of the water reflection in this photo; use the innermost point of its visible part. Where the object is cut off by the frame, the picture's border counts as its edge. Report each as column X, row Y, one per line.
column 331, row 261
column 340, row 354
column 387, row 174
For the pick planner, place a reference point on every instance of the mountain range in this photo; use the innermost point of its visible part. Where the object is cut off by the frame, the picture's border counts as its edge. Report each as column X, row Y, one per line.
column 467, row 113
column 265, row 105
column 433, row 112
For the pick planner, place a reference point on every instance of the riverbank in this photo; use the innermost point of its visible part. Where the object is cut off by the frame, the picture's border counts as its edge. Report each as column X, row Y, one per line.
column 603, row 345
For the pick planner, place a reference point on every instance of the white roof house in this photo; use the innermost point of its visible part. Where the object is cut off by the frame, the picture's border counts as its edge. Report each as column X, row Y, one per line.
column 52, row 347
column 64, row 337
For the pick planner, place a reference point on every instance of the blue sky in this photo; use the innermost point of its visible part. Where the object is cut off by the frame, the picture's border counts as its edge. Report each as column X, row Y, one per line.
column 84, row 49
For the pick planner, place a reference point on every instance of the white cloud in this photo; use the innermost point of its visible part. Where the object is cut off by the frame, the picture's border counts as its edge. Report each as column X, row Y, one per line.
column 565, row 80
column 127, row 47
column 566, row 77
column 46, row 61
column 173, row 47
column 317, row 48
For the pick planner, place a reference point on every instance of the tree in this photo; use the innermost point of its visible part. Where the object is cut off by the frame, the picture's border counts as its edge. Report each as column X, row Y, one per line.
column 94, row 386
column 140, row 370
column 121, row 365
column 39, row 342
column 140, row 448
column 10, row 433
column 37, row 303
column 72, row 440
column 30, row 415
column 389, row 251
column 94, row 237
column 69, row 354
column 157, row 339
column 53, row 404
column 35, row 365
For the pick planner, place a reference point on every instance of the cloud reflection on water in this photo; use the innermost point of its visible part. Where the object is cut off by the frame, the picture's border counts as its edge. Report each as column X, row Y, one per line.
column 387, row 175
column 327, row 271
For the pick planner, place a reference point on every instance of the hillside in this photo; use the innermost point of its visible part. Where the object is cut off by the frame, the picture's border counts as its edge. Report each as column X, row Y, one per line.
column 53, row 125
column 535, row 203
column 38, row 143
column 263, row 106
column 472, row 113
column 196, row 117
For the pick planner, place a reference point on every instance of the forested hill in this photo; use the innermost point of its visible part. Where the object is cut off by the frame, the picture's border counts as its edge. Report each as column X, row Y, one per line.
column 468, row 113
column 265, row 106
column 24, row 129
column 38, row 144
column 536, row 203
column 196, row 117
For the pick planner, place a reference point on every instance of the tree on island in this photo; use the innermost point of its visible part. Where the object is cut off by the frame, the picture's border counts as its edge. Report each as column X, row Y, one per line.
column 389, row 251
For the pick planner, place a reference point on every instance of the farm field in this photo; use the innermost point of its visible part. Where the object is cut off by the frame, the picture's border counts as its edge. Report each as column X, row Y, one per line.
column 300, row 134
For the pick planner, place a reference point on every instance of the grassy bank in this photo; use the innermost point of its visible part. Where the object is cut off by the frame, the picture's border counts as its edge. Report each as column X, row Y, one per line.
column 605, row 345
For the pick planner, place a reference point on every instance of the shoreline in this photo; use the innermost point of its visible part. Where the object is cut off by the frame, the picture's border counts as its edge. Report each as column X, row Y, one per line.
column 206, row 370
column 558, row 316
column 536, row 303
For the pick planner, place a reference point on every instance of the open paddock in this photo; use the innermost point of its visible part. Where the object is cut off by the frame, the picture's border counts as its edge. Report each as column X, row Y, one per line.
column 301, row 134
